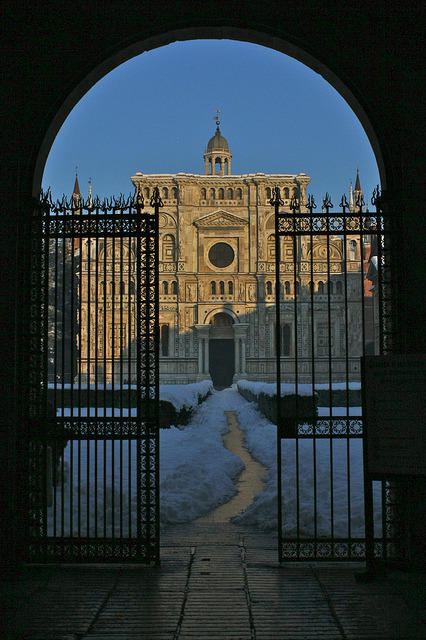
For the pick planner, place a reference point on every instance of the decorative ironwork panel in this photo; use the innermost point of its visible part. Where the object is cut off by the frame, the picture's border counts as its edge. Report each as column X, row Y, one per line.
column 93, row 364
column 333, row 305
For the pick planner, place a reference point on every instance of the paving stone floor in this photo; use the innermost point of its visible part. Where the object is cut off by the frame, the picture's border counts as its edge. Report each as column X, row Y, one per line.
column 216, row 582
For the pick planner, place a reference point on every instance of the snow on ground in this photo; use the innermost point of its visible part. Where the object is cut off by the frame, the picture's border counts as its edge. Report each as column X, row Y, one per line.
column 178, row 395
column 303, row 389
column 197, row 474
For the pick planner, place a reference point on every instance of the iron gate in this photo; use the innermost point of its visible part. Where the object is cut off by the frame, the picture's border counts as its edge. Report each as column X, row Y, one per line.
column 332, row 291
column 93, row 409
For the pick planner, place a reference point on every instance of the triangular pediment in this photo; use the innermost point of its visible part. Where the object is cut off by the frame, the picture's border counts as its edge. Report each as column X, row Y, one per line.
column 221, row 219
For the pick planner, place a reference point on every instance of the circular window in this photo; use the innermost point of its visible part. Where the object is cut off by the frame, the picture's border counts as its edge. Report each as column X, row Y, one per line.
column 221, row 255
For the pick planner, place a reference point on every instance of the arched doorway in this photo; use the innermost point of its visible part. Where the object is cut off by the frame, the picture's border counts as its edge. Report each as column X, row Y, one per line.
column 222, row 350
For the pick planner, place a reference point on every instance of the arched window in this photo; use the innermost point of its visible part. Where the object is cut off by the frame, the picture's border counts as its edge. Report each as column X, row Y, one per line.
column 103, row 288
column 239, row 194
column 132, row 287
column 296, row 288
column 295, row 192
column 211, row 194
column 230, row 194
column 339, row 287
column 146, row 192
column 320, row 287
column 331, row 288
column 271, row 248
column 230, row 288
column 168, row 248
column 268, row 192
column 352, row 249
column 213, row 288
column 174, row 288
column 287, row 287
column 286, row 193
column 165, row 193
column 174, row 193
column 311, row 287
column 221, row 194
column 165, row 340
column 269, row 288
column 221, row 288
column 112, row 287
column 122, row 287
column 165, row 288
column 203, row 194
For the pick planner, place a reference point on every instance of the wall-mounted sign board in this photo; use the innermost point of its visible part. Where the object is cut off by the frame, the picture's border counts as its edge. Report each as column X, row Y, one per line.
column 393, row 388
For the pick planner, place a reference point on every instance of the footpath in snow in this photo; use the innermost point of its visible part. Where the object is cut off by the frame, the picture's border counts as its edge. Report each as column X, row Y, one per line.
column 198, row 474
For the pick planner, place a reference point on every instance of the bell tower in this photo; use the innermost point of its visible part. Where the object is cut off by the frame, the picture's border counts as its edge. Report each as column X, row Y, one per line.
column 217, row 156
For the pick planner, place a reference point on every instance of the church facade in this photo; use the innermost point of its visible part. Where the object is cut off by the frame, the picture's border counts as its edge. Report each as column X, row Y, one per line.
column 217, row 285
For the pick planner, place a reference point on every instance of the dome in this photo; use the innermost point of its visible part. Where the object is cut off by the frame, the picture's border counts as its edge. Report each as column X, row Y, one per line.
column 218, row 141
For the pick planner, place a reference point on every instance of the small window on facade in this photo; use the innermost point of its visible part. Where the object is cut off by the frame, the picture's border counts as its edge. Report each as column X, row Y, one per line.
column 230, row 287
column 168, row 248
column 269, row 288
column 203, row 194
column 174, row 288
column 221, row 288
column 103, row 288
column 287, row 287
column 296, row 288
column 212, row 194
column 268, row 193
column 132, row 287
column 239, row 194
column 331, row 288
column 221, row 194
column 165, row 288
column 230, row 194
column 122, row 287
column 271, row 248
column 174, row 193
column 165, row 193
column 320, row 287
column 165, row 340
column 339, row 287
column 286, row 193
column 213, row 288
column 311, row 287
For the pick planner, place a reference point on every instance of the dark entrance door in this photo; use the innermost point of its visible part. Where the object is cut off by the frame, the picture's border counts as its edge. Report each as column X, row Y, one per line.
column 222, row 362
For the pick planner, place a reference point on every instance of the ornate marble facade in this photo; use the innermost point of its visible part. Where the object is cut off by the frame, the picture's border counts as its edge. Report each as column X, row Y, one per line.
column 217, row 282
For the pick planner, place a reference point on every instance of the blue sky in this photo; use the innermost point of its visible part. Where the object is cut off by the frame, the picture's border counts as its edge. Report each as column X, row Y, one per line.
column 155, row 114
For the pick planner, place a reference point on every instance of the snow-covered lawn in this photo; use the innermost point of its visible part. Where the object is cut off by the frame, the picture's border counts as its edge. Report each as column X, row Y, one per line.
column 197, row 474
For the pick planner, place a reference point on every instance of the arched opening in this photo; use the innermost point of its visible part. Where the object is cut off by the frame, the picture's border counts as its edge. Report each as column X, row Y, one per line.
column 222, row 364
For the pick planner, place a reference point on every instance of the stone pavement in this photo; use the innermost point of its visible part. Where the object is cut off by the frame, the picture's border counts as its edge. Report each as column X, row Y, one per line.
column 216, row 582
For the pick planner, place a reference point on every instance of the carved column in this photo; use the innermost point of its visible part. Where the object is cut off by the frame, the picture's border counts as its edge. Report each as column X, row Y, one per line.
column 203, row 351
column 240, row 332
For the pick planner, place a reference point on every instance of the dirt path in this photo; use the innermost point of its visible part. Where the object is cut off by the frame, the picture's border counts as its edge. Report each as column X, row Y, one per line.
column 250, row 481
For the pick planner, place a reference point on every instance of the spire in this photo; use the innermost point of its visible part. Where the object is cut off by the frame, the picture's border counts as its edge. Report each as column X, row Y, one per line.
column 76, row 194
column 357, row 183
